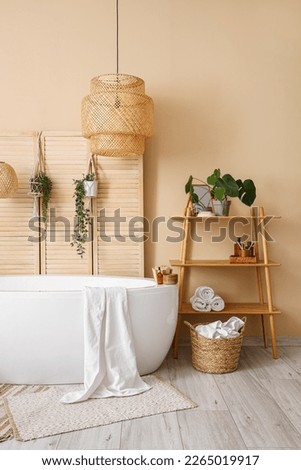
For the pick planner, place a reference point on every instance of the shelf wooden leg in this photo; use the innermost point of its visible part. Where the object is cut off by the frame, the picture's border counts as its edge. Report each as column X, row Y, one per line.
column 177, row 337
column 184, row 248
column 273, row 337
column 264, row 333
column 269, row 293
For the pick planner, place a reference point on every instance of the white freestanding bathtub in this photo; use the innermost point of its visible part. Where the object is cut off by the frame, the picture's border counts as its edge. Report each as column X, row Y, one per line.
column 41, row 325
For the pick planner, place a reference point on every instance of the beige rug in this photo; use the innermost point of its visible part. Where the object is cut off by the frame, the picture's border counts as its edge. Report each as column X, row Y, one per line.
column 36, row 415
column 6, row 390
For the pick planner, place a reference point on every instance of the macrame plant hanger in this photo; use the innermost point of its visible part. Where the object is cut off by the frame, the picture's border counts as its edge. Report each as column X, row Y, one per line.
column 91, row 185
column 38, row 168
column 91, row 167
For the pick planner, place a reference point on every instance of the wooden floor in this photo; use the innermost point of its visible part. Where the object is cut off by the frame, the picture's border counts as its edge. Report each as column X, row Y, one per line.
column 256, row 407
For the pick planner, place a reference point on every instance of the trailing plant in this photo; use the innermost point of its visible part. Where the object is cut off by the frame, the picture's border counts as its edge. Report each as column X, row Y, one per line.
column 41, row 185
column 82, row 214
column 222, row 187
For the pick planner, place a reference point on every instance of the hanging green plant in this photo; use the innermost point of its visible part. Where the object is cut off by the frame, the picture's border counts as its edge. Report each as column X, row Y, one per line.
column 82, row 214
column 41, row 186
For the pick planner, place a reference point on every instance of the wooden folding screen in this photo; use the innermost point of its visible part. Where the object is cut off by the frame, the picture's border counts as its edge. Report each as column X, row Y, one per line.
column 65, row 155
column 113, row 249
column 119, row 210
column 18, row 255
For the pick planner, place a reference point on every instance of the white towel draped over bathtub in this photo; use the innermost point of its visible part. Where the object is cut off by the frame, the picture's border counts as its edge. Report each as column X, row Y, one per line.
column 110, row 367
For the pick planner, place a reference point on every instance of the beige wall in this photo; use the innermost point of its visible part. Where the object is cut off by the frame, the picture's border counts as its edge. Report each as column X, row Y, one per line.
column 225, row 78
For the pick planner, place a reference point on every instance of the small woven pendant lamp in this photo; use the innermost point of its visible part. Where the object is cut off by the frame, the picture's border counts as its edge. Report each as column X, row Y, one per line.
column 117, row 116
column 8, row 180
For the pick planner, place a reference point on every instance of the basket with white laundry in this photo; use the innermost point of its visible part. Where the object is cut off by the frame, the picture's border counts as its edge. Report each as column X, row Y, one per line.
column 216, row 346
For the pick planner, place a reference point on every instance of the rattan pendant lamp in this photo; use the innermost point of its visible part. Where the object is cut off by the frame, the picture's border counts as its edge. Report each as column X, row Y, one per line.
column 8, row 180
column 117, row 116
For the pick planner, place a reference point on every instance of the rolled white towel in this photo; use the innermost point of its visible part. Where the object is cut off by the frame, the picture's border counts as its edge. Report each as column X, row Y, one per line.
column 199, row 304
column 217, row 303
column 204, row 292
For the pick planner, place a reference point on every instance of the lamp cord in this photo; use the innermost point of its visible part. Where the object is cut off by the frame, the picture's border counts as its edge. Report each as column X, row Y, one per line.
column 117, row 37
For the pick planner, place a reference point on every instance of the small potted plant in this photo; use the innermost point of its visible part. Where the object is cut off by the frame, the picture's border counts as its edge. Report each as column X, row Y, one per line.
column 90, row 185
column 41, row 186
column 221, row 188
column 84, row 187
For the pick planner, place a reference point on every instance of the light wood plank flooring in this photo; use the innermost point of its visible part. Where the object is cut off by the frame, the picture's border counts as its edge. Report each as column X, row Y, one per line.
column 256, row 407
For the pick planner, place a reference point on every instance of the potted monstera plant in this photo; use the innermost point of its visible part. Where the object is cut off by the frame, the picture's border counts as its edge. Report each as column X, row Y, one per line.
column 223, row 187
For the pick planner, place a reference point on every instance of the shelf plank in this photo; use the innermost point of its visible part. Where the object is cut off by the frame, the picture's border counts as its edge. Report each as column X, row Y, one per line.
column 219, row 263
column 233, row 309
column 181, row 218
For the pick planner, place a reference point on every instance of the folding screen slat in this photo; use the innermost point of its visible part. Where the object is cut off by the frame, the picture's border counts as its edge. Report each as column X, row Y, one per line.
column 66, row 155
column 18, row 255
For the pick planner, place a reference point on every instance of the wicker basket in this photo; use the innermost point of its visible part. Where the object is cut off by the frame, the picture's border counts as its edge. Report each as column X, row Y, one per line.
column 215, row 356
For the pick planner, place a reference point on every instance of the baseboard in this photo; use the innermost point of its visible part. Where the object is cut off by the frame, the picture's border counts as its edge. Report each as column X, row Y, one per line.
column 257, row 341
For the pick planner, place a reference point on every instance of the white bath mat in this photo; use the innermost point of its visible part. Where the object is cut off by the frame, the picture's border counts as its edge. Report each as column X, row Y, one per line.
column 35, row 415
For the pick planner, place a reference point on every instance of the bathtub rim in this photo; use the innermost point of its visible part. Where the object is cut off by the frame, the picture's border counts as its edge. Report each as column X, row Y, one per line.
column 150, row 282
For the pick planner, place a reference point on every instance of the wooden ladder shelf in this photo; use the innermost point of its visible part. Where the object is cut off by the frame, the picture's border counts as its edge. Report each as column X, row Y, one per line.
column 264, row 307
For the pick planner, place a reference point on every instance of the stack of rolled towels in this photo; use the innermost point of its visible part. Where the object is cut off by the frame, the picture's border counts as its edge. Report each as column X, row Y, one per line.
column 205, row 300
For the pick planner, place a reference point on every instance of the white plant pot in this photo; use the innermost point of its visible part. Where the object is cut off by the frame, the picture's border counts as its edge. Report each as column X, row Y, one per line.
column 90, row 188
column 221, row 208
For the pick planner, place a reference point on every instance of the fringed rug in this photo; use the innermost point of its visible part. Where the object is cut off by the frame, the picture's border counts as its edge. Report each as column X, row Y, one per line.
column 6, row 390
column 40, row 414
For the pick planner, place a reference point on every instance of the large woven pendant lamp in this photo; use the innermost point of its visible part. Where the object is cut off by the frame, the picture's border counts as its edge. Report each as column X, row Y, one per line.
column 117, row 116
column 8, row 180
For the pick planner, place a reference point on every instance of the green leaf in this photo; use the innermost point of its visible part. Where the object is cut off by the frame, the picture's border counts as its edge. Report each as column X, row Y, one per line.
column 230, row 185
column 214, row 177
column 248, row 192
column 240, row 187
column 219, row 193
column 188, row 185
column 194, row 198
